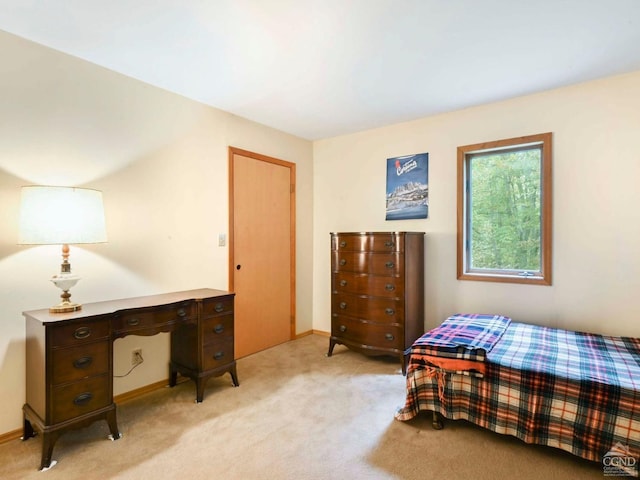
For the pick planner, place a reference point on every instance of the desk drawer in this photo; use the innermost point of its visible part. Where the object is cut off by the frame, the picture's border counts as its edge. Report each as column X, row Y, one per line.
column 218, row 354
column 217, row 306
column 72, row 400
column 69, row 364
column 75, row 333
column 216, row 329
column 144, row 318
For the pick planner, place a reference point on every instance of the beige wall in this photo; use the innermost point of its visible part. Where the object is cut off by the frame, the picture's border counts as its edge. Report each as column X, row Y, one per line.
column 161, row 161
column 596, row 173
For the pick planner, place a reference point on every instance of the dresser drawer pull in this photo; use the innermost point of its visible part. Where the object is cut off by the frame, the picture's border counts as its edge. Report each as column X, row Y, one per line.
column 343, row 262
column 343, row 283
column 181, row 312
column 343, row 244
column 83, row 399
column 389, row 311
column 218, row 355
column 218, row 328
column 343, row 328
column 219, row 307
column 389, row 243
column 389, row 264
column 83, row 362
column 389, row 337
column 389, row 287
column 343, row 305
column 132, row 322
column 82, row 333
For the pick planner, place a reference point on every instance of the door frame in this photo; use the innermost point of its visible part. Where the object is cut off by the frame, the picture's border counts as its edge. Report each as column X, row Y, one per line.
column 292, row 224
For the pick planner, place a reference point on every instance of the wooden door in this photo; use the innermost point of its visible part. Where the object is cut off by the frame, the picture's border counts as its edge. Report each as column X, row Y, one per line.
column 261, row 250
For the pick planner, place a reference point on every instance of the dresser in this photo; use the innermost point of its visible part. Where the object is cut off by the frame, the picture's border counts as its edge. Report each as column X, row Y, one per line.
column 377, row 292
column 69, row 356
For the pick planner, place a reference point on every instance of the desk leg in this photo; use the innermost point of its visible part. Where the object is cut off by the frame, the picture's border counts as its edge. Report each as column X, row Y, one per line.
column 200, row 384
column 234, row 376
column 49, row 440
column 332, row 344
column 27, row 429
column 173, row 376
column 113, row 425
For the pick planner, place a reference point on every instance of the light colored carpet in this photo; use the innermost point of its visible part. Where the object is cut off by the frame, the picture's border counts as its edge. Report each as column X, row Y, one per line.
column 297, row 414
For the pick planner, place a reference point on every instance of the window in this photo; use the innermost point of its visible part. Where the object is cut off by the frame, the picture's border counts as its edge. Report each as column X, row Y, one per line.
column 504, row 210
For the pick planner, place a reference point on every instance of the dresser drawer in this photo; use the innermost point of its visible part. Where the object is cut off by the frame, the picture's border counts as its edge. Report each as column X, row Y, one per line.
column 75, row 399
column 378, row 242
column 217, row 329
column 376, row 309
column 79, row 332
column 372, row 263
column 144, row 318
column 364, row 333
column 223, row 306
column 218, row 354
column 373, row 285
column 74, row 363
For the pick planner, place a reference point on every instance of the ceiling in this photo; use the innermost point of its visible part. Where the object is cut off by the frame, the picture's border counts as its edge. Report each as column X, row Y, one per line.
column 322, row 68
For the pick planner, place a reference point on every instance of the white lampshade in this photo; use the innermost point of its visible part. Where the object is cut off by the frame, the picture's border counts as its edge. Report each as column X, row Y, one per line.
column 61, row 215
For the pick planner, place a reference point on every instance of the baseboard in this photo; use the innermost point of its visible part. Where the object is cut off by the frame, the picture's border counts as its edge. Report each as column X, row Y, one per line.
column 312, row 332
column 14, row 435
column 321, row 332
column 138, row 392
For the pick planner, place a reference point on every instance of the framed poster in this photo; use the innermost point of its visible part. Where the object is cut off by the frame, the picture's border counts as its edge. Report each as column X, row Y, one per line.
column 408, row 187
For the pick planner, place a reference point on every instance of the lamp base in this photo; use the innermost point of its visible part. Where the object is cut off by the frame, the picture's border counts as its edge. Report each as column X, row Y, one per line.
column 63, row 307
column 64, row 281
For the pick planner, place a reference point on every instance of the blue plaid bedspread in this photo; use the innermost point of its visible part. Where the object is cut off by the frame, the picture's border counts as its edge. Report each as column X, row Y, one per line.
column 575, row 391
column 463, row 336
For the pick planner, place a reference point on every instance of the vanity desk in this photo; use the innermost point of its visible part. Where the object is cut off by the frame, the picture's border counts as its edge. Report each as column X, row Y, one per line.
column 69, row 356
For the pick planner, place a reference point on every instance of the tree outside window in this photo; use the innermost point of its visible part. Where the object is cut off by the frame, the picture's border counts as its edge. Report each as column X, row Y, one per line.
column 504, row 210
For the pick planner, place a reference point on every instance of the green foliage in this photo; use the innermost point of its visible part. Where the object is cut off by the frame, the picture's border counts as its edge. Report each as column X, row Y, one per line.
column 505, row 210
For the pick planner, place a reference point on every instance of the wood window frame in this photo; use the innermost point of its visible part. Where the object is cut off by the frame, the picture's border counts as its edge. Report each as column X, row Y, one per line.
column 539, row 278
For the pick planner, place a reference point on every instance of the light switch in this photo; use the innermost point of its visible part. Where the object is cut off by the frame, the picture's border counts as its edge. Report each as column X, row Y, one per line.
column 222, row 239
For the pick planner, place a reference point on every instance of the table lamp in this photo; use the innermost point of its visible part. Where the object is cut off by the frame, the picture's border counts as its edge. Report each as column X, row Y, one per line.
column 62, row 215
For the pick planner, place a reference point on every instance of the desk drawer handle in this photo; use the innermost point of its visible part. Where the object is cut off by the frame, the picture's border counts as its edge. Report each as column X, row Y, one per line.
column 343, row 244
column 343, row 305
column 389, row 337
column 83, row 362
column 83, row 399
column 218, row 355
column 219, row 307
column 82, row 333
column 182, row 312
column 343, row 262
column 218, row 328
column 343, row 283
column 388, row 243
column 389, row 287
column 389, row 311
column 389, row 264
column 342, row 328
column 132, row 322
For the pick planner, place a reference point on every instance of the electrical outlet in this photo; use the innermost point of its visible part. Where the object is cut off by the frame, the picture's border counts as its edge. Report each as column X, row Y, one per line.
column 136, row 356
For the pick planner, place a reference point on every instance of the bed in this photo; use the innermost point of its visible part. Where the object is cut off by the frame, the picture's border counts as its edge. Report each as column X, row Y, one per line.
column 575, row 391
